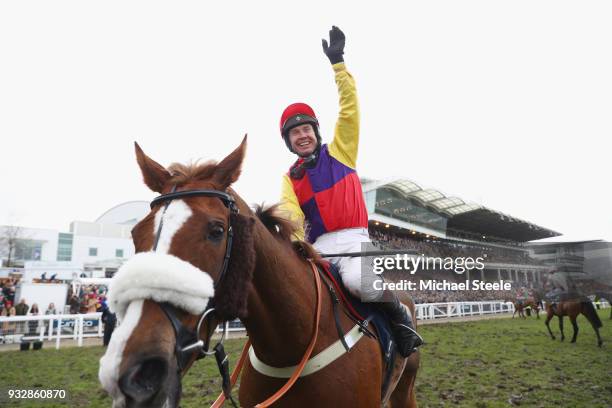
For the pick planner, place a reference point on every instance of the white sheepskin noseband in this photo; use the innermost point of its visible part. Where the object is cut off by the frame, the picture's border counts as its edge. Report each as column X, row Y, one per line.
column 162, row 278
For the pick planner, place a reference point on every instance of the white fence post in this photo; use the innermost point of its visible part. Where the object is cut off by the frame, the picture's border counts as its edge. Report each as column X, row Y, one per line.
column 80, row 337
column 59, row 333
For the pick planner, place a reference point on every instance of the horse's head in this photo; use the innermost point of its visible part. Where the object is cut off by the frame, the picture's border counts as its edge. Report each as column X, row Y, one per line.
column 193, row 245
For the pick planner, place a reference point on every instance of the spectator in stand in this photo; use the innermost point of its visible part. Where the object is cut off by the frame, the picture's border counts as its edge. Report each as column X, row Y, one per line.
column 92, row 303
column 3, row 313
column 9, row 292
column 51, row 309
column 110, row 320
column 22, row 308
column 34, row 311
column 9, row 328
column 33, row 324
column 75, row 304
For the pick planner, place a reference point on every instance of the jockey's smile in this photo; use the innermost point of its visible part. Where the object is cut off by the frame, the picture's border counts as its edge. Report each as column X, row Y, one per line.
column 303, row 139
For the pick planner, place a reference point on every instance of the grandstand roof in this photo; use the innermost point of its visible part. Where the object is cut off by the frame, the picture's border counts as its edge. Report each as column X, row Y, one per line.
column 128, row 213
column 462, row 216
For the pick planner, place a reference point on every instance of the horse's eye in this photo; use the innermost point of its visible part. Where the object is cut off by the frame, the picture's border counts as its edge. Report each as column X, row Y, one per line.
column 216, row 232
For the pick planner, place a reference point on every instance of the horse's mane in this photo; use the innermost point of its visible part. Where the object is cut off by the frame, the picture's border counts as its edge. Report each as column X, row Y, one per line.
column 281, row 226
column 276, row 222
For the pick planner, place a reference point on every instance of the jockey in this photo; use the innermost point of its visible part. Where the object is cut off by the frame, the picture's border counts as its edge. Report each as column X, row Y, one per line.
column 322, row 189
column 556, row 285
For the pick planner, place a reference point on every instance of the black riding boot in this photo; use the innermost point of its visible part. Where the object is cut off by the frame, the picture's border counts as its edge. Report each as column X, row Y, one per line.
column 406, row 338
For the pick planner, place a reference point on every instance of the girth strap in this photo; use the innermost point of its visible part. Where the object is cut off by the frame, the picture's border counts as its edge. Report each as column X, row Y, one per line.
column 316, row 363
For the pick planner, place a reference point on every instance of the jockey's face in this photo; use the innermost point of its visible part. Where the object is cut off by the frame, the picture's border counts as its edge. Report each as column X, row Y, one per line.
column 303, row 139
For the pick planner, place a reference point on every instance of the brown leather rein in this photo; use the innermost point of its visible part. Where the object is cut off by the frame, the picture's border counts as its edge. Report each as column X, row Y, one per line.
column 300, row 367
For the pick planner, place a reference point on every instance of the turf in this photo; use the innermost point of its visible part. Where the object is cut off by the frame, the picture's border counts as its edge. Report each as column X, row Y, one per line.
column 493, row 363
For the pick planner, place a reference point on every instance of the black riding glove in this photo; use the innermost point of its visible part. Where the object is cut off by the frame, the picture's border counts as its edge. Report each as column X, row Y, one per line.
column 335, row 49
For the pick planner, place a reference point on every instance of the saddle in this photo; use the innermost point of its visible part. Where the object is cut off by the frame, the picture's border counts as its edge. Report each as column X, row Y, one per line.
column 368, row 314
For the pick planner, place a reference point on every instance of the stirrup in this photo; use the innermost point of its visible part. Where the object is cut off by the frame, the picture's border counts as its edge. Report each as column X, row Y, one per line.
column 413, row 340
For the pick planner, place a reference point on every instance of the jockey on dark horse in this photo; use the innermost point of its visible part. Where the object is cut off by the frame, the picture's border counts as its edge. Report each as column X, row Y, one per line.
column 561, row 288
column 322, row 188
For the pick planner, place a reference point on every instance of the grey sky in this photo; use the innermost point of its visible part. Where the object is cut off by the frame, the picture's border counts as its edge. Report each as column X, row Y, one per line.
column 506, row 104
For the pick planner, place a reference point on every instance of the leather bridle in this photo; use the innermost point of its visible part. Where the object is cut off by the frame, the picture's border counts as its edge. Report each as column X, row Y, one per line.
column 188, row 343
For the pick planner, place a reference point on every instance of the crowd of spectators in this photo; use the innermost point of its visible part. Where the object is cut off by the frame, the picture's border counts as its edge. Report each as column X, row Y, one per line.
column 88, row 299
column 435, row 296
column 7, row 293
column 386, row 240
column 432, row 247
column 591, row 287
column 32, row 327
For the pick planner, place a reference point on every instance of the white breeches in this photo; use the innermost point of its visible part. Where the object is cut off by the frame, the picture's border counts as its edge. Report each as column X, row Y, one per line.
column 358, row 282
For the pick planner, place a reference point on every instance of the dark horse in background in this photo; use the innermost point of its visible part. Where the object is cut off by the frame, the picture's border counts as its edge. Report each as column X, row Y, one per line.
column 572, row 308
column 268, row 284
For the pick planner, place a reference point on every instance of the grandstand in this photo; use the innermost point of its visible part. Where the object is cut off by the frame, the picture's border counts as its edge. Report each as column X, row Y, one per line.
column 404, row 215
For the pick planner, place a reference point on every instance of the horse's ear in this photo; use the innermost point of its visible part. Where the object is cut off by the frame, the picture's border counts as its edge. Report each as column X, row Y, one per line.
column 154, row 174
column 232, row 293
column 228, row 171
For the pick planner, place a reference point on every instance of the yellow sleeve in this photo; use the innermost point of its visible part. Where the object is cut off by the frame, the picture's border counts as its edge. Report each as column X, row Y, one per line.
column 345, row 145
column 291, row 206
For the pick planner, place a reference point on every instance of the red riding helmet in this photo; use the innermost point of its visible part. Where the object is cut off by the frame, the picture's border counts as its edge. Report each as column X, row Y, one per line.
column 297, row 114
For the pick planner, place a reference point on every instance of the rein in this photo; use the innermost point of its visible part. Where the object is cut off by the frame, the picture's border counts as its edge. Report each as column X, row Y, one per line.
column 299, row 368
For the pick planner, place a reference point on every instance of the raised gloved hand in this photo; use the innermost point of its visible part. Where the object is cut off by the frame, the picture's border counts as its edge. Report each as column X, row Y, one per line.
column 335, row 49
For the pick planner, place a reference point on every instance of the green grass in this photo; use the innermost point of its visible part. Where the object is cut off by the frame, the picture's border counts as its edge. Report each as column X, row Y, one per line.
column 494, row 363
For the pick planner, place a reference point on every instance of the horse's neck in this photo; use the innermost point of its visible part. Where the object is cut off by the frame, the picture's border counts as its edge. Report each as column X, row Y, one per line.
column 281, row 303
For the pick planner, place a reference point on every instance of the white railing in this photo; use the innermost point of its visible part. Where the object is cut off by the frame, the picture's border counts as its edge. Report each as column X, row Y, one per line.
column 78, row 326
column 428, row 311
column 604, row 304
column 15, row 329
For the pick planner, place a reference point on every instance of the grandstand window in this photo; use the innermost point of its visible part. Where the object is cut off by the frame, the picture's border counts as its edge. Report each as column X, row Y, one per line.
column 64, row 247
column 118, row 253
column 428, row 195
column 447, row 202
column 405, row 186
column 28, row 250
column 394, row 204
column 370, row 199
column 93, row 251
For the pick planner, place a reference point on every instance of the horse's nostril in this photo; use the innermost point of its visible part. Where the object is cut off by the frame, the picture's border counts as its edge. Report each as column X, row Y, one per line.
column 144, row 380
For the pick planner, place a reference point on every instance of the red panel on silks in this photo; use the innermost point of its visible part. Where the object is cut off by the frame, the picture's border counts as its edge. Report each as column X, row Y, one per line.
column 330, row 196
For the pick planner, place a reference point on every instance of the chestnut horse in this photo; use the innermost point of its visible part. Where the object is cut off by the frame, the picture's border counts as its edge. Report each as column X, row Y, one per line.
column 161, row 293
column 572, row 308
column 520, row 306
